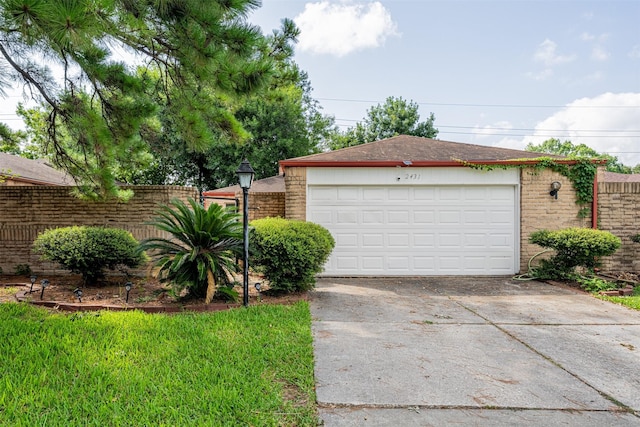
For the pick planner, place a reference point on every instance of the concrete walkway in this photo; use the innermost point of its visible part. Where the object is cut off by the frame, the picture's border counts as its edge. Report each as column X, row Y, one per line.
column 472, row 352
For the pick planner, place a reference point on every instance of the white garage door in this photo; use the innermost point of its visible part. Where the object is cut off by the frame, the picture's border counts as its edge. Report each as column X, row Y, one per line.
column 417, row 229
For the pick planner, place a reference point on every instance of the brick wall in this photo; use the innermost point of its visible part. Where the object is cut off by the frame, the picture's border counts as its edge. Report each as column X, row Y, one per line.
column 619, row 213
column 295, row 182
column 539, row 210
column 27, row 211
column 261, row 205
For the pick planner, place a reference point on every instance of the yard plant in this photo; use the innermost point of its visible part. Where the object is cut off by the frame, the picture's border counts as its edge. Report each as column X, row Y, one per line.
column 244, row 367
column 289, row 253
column 574, row 247
column 89, row 250
column 202, row 248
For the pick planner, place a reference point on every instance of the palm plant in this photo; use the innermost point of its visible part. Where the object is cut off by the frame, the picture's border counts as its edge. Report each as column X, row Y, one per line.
column 202, row 247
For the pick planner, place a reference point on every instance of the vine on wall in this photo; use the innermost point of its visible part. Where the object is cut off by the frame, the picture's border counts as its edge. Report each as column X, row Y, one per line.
column 582, row 174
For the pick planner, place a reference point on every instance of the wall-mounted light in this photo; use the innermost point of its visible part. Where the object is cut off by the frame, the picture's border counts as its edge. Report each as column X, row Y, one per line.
column 555, row 187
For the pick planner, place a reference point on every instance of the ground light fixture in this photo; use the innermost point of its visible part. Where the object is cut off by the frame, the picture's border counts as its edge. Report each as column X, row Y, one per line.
column 555, row 187
column 258, row 287
column 33, row 280
column 128, row 287
column 78, row 294
column 44, row 283
column 245, row 177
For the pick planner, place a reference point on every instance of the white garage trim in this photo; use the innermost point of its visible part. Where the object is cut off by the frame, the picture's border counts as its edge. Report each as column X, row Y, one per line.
column 417, row 221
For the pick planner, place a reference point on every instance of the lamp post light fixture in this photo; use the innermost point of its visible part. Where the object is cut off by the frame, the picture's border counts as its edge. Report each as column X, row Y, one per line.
column 127, row 287
column 245, row 176
column 44, row 283
column 555, row 187
column 78, row 293
column 33, row 280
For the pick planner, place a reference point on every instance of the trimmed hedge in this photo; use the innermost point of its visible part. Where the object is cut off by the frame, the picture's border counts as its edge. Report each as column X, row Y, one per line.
column 89, row 250
column 575, row 247
column 289, row 253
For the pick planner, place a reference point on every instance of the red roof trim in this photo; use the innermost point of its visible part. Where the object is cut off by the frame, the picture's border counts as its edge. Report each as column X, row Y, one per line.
column 214, row 193
column 396, row 163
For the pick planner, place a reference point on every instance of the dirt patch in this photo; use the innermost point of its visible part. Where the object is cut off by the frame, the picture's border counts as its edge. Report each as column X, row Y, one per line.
column 146, row 293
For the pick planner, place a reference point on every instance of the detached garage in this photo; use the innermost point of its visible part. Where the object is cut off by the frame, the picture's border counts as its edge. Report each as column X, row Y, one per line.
column 409, row 206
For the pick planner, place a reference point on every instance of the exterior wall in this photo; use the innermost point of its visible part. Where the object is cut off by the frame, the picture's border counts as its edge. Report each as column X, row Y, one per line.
column 295, row 182
column 263, row 205
column 27, row 211
column 618, row 213
column 539, row 210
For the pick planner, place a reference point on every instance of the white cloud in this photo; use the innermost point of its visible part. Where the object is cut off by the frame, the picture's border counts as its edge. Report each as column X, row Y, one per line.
column 540, row 75
column 634, row 53
column 587, row 37
column 548, row 55
column 599, row 54
column 493, row 129
column 608, row 123
column 340, row 28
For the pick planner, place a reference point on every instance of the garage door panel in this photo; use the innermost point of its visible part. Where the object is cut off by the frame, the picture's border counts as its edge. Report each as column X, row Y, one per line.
column 425, row 230
column 373, row 194
column 373, row 240
column 398, row 240
column 372, row 217
column 424, row 240
column 424, row 217
column 370, row 263
column 347, row 240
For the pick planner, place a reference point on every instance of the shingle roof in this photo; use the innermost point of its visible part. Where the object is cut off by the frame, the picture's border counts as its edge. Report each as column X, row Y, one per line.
column 32, row 171
column 620, row 177
column 273, row 184
column 416, row 149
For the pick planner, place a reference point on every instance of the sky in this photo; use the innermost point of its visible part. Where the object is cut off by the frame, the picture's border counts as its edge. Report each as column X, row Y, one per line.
column 498, row 73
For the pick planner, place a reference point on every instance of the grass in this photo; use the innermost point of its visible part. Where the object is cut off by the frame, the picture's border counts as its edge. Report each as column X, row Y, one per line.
column 243, row 367
column 632, row 301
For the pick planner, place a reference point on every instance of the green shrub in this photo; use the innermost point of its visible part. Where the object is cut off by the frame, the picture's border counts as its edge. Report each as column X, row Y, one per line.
column 635, row 238
column 595, row 284
column 89, row 250
column 574, row 247
column 289, row 253
column 23, row 270
column 201, row 253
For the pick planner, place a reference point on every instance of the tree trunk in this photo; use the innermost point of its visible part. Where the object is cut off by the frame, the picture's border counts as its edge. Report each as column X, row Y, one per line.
column 211, row 286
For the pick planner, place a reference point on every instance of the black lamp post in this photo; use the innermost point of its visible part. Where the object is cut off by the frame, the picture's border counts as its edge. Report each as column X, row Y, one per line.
column 128, row 286
column 43, row 283
column 33, row 280
column 245, row 175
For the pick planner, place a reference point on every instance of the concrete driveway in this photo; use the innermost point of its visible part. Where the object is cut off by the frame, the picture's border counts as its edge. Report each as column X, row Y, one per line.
column 472, row 351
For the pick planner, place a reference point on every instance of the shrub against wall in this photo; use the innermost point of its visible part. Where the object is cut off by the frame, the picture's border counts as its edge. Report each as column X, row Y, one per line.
column 574, row 247
column 89, row 250
column 289, row 253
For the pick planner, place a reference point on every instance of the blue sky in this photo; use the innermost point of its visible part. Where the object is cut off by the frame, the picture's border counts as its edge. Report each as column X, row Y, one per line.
column 499, row 73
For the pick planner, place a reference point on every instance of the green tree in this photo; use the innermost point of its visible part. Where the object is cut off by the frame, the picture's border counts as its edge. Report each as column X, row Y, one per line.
column 205, row 54
column 568, row 149
column 282, row 121
column 395, row 117
column 10, row 140
column 202, row 249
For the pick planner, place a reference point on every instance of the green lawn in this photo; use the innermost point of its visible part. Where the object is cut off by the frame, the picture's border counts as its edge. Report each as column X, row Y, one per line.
column 241, row 367
column 630, row 301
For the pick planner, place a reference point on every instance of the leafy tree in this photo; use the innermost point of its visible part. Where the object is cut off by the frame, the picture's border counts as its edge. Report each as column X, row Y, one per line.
column 10, row 140
column 282, row 121
column 395, row 117
column 202, row 249
column 98, row 107
column 567, row 148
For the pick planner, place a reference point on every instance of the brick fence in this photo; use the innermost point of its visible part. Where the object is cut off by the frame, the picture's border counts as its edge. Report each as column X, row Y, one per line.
column 619, row 213
column 27, row 211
